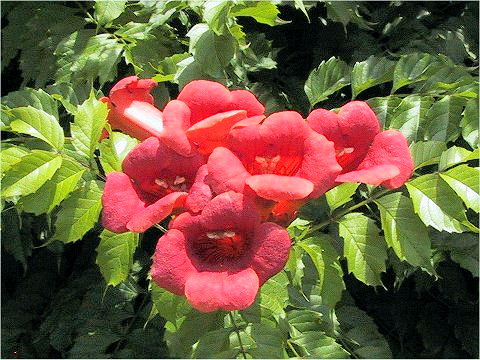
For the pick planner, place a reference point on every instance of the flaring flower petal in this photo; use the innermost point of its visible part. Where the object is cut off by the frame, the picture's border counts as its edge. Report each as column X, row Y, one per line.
column 212, row 132
column 277, row 187
column 245, row 100
column 326, row 122
column 156, row 212
column 284, row 132
column 204, row 98
column 200, row 193
column 176, row 116
column 230, row 210
column 358, row 123
column 353, row 128
column 171, row 264
column 319, row 164
column 254, row 120
column 151, row 161
column 271, row 246
column 120, row 202
column 374, row 175
column 211, row 291
column 390, row 148
column 225, row 171
column 132, row 88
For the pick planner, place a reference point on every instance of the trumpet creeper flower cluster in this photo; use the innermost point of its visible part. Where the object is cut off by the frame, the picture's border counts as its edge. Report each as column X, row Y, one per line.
column 233, row 177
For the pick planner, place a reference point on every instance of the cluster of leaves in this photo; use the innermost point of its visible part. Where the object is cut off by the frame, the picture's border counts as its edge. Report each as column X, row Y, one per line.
column 372, row 273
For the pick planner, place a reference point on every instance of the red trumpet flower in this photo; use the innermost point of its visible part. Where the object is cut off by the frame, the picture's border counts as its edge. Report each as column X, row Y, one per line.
column 204, row 113
column 281, row 159
column 132, row 110
column 220, row 258
column 155, row 181
column 365, row 153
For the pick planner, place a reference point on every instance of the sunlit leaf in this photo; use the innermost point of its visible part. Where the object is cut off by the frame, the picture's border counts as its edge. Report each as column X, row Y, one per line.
column 79, row 213
column 327, row 78
column 115, row 255
column 363, row 248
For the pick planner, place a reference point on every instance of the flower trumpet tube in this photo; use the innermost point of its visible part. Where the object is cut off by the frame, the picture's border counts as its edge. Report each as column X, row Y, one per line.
column 132, row 110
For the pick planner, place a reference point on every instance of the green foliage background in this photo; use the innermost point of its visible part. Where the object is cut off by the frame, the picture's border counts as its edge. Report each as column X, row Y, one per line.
column 372, row 273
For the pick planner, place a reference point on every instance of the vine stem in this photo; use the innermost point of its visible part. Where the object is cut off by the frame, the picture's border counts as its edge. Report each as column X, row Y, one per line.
column 293, row 349
column 230, row 313
column 346, row 211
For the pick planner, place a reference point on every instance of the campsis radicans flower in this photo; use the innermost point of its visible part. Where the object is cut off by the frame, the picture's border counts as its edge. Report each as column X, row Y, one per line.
column 220, row 258
column 131, row 108
column 279, row 159
column 198, row 120
column 155, row 181
column 204, row 113
column 366, row 154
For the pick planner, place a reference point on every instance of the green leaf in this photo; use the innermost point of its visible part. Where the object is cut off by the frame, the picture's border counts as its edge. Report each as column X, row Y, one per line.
column 169, row 66
column 212, row 52
column 169, row 306
column 447, row 76
column 464, row 180
column 326, row 79
column 463, row 249
column 107, row 10
column 38, row 99
column 443, row 119
column 427, row 152
column 403, row 230
column 326, row 261
column 363, row 248
column 115, row 255
column 301, row 6
column 274, row 295
column 469, row 123
column 69, row 96
column 340, row 195
column 114, row 149
column 410, row 117
column 30, row 173
column 346, row 12
column 315, row 344
column 215, row 14
column 195, row 324
column 9, row 156
column 263, row 12
column 453, row 156
column 212, row 344
column 89, row 121
column 79, row 213
column 304, row 320
column 12, row 240
column 436, row 203
column 39, row 124
column 55, row 190
column 295, row 265
column 84, row 56
column 268, row 341
column 360, row 330
column 37, row 38
column 371, row 72
column 384, row 107
column 189, row 70
column 411, row 68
